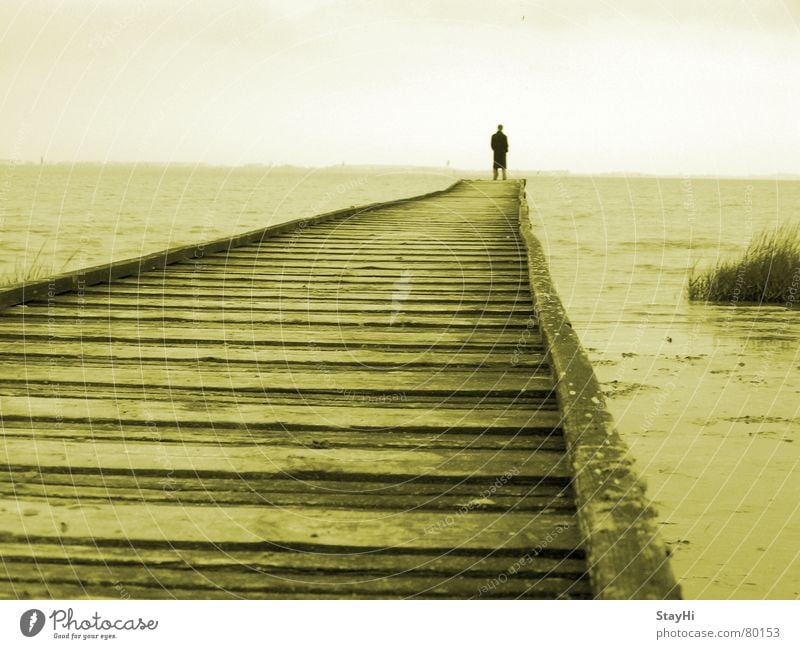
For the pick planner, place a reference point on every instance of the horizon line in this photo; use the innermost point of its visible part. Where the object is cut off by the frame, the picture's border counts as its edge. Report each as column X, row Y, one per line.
column 775, row 175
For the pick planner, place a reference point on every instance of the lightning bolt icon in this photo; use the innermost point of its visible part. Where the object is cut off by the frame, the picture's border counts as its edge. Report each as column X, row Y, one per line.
column 32, row 621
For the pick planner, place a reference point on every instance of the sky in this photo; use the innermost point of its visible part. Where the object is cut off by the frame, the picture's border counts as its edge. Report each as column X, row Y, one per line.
column 650, row 86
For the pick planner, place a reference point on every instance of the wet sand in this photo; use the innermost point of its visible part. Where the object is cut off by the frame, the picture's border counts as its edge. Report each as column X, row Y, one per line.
column 717, row 443
column 707, row 397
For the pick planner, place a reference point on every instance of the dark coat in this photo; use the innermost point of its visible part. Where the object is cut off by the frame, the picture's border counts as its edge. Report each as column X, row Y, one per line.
column 499, row 142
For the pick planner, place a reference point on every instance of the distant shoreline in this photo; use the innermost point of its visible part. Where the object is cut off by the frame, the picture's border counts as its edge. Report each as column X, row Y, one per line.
column 450, row 171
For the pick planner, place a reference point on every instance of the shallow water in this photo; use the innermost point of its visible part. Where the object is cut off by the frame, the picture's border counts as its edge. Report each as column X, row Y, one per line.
column 706, row 396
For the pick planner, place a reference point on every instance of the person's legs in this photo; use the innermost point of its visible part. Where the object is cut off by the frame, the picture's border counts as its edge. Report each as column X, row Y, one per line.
column 494, row 173
column 499, row 163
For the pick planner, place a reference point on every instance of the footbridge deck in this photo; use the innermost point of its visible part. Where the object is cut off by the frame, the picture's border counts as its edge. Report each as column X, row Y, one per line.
column 386, row 401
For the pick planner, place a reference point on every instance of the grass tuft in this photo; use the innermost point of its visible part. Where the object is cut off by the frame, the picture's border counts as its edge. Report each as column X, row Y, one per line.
column 35, row 270
column 767, row 273
column 23, row 275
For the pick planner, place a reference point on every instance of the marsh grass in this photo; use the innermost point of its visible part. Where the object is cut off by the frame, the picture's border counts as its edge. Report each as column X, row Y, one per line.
column 22, row 275
column 768, row 272
column 35, row 270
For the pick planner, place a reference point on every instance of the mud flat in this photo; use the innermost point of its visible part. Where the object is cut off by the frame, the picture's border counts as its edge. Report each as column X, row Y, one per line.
column 707, row 397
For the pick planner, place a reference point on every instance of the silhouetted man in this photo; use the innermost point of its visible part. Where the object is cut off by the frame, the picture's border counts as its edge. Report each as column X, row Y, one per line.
column 500, row 148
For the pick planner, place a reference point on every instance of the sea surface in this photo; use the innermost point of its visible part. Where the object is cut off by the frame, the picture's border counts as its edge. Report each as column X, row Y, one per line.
column 61, row 217
column 707, row 396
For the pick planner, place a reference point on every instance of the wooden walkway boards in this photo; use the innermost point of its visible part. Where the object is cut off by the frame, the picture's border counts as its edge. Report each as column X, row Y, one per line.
column 361, row 405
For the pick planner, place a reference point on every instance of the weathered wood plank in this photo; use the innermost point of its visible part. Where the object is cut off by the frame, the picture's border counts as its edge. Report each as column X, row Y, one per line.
column 271, row 561
column 316, row 400
column 369, row 255
column 369, row 295
column 144, row 316
column 214, row 264
column 262, row 380
column 394, row 235
column 308, row 246
column 286, row 527
column 356, row 416
column 58, row 351
column 457, row 284
column 211, row 491
column 143, row 585
column 253, row 303
column 341, row 464
column 244, row 276
column 221, row 435
column 417, row 337
column 472, row 495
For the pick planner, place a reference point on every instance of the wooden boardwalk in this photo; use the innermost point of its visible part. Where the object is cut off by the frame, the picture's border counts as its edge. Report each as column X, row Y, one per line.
column 359, row 405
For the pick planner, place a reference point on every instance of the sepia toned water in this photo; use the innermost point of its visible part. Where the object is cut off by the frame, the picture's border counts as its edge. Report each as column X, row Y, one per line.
column 707, row 397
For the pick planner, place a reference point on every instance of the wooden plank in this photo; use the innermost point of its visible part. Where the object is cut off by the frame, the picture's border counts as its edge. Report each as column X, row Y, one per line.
column 141, row 584
column 276, row 561
column 316, row 400
column 342, row 464
column 91, row 315
column 512, row 381
column 543, row 439
column 306, row 246
column 411, row 263
column 345, row 292
column 215, row 497
column 486, row 219
column 286, row 527
column 211, row 494
column 261, row 281
column 374, row 295
column 168, row 489
column 174, row 308
column 480, row 216
column 415, row 236
column 356, row 292
column 420, row 226
column 32, row 351
column 626, row 558
column 415, row 223
column 472, row 495
column 194, row 412
column 417, row 337
column 332, row 274
column 487, row 216
column 380, row 303
column 412, row 235
column 344, row 254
